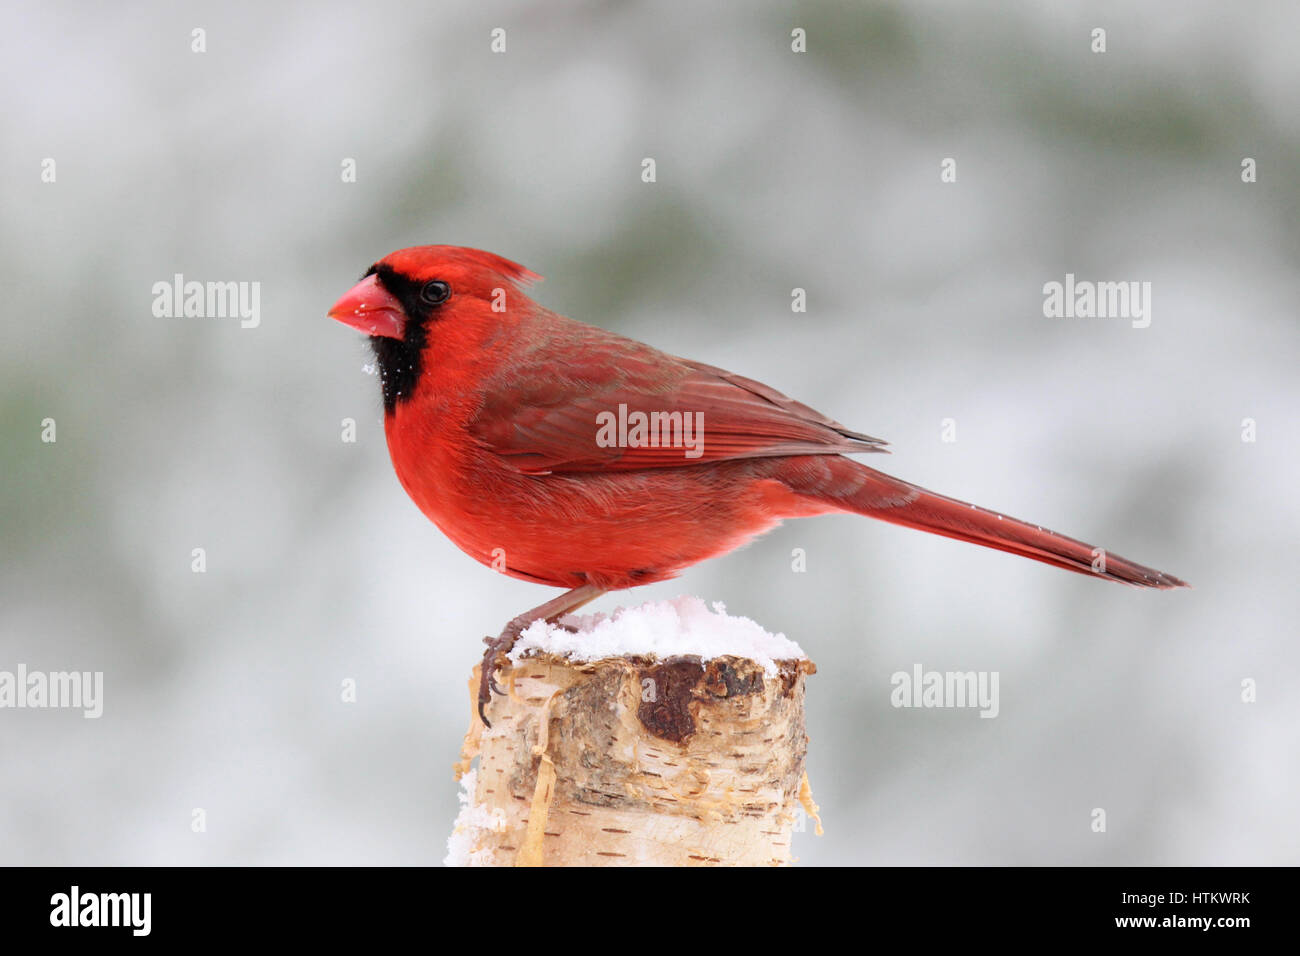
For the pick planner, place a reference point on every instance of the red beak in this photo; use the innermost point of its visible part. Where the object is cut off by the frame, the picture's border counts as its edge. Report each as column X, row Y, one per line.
column 371, row 308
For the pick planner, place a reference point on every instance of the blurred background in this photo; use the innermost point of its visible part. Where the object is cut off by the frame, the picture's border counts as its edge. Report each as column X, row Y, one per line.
column 775, row 170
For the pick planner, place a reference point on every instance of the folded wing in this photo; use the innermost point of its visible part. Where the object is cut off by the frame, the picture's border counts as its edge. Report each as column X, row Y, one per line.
column 575, row 407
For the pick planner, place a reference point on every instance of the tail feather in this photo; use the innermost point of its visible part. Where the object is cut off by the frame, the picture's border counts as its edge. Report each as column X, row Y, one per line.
column 869, row 492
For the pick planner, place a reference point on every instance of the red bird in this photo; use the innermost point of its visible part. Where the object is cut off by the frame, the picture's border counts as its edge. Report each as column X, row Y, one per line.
column 574, row 457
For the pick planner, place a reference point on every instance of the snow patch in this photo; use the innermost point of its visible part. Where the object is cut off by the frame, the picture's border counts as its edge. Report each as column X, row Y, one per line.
column 659, row 629
column 471, row 820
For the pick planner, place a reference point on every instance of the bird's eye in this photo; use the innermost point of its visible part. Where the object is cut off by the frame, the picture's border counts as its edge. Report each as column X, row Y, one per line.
column 435, row 292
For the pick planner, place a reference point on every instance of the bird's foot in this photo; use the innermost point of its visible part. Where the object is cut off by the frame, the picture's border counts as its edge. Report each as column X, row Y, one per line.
column 497, row 649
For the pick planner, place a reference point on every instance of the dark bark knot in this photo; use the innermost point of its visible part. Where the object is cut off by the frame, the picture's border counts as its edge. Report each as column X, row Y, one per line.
column 668, row 690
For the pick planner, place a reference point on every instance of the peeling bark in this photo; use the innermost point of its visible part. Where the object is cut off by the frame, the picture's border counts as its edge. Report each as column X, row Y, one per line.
column 628, row 761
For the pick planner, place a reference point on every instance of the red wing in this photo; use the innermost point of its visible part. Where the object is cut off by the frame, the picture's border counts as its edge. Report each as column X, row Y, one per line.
column 576, row 408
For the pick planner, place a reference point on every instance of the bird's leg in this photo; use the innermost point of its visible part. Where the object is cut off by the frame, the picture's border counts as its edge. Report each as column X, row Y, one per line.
column 499, row 646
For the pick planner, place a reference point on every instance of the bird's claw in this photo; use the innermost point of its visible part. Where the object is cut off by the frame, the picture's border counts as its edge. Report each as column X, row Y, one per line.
column 497, row 648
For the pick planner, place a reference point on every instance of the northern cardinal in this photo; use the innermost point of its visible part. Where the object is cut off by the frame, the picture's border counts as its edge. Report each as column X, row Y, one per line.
column 567, row 455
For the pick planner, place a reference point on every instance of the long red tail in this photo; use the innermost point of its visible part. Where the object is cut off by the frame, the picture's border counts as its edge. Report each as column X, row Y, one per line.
column 863, row 490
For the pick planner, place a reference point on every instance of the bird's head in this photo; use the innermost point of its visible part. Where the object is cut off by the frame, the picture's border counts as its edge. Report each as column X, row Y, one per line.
column 428, row 296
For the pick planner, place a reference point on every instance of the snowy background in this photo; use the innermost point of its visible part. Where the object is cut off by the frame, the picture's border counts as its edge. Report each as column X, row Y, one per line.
column 775, row 170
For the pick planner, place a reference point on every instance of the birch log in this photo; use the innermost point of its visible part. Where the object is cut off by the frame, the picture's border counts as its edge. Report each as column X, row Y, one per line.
column 636, row 761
